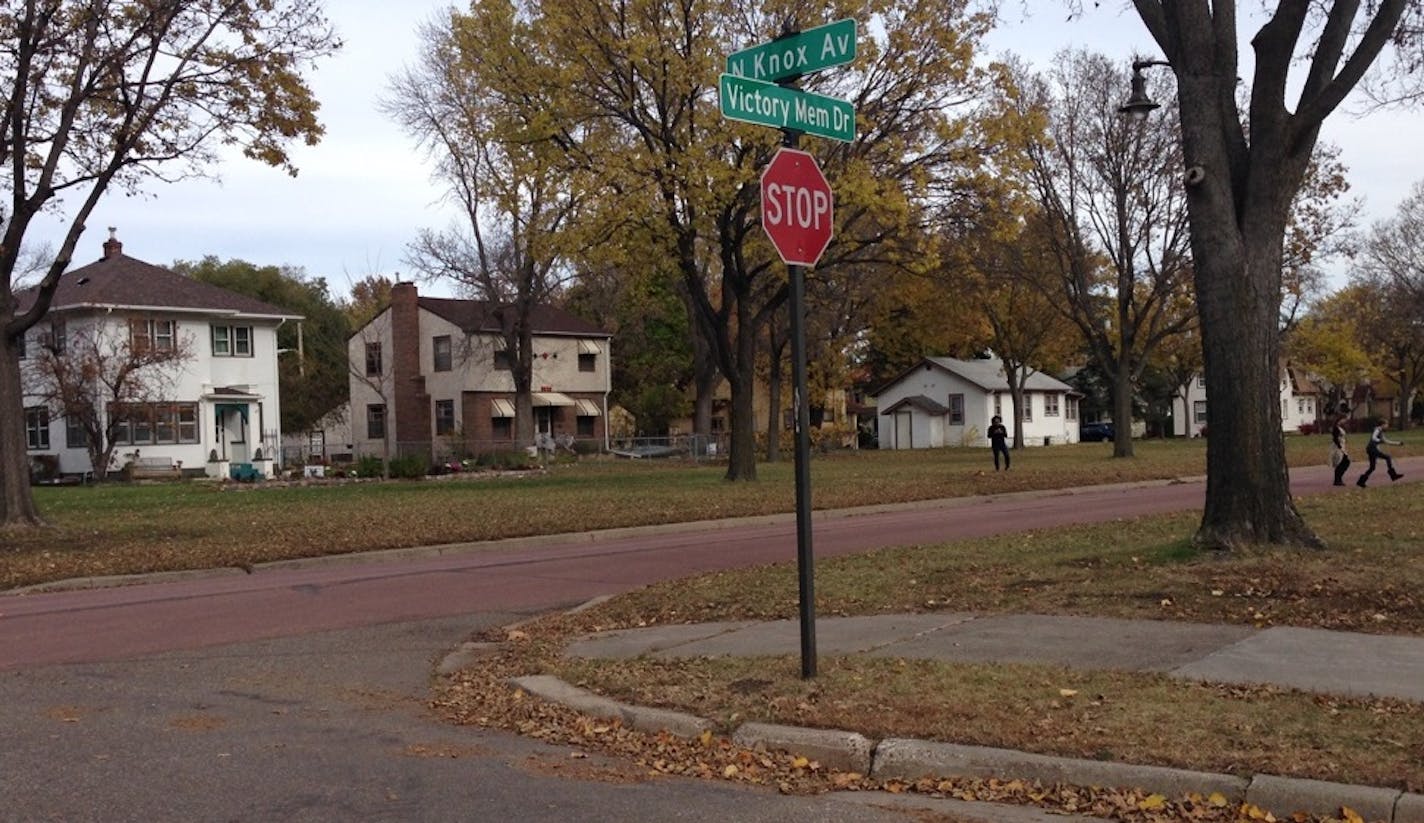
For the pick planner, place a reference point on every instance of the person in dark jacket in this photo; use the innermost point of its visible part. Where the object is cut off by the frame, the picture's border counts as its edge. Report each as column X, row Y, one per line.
column 1373, row 451
column 1339, row 454
column 999, row 441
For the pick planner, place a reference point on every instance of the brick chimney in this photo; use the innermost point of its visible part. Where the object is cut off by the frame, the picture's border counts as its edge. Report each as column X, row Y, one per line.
column 412, row 403
column 112, row 246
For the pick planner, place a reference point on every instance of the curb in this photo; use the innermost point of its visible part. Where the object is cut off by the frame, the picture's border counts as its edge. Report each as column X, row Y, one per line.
column 910, row 759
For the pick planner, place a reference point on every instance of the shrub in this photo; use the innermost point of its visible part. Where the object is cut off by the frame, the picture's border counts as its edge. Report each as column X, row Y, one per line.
column 368, row 466
column 409, row 467
column 1309, row 428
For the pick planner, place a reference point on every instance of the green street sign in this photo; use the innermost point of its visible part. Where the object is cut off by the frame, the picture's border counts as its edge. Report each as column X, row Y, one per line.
column 801, row 53
column 768, row 104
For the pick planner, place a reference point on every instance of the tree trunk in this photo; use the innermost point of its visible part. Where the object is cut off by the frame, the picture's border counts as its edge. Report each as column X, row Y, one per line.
column 704, row 387
column 1016, row 395
column 1248, row 498
column 1122, row 409
column 17, row 500
column 741, row 464
column 776, row 348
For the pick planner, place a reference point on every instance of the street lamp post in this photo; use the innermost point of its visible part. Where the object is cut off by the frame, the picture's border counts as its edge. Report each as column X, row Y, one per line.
column 1138, row 104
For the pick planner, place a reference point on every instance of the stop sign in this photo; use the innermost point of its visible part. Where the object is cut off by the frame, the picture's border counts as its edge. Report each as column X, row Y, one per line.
column 796, row 207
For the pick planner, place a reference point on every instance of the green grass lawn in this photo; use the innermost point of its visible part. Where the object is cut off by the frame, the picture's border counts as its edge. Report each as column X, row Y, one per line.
column 118, row 528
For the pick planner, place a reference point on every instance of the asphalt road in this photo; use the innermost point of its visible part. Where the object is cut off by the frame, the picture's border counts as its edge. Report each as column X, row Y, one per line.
column 298, row 692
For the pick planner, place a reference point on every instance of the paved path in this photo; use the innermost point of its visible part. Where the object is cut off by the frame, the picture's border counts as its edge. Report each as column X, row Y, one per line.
column 1308, row 659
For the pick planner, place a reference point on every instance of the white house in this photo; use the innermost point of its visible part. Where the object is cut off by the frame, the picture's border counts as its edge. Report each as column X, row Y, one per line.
column 942, row 401
column 221, row 401
column 433, row 373
column 1302, row 403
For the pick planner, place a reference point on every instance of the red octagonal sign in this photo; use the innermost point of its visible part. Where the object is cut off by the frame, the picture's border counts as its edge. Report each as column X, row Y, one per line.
column 796, row 207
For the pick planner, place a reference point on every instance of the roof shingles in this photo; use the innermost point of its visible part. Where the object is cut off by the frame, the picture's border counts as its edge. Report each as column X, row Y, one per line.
column 126, row 282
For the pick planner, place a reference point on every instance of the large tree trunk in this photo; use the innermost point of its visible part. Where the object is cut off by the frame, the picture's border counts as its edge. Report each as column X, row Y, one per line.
column 1248, row 498
column 17, row 500
column 1122, row 409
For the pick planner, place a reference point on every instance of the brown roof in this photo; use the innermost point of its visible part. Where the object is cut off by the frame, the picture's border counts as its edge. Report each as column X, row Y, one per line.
column 123, row 281
column 479, row 316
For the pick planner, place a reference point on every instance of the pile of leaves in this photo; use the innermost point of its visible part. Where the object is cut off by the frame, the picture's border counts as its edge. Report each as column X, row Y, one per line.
column 481, row 695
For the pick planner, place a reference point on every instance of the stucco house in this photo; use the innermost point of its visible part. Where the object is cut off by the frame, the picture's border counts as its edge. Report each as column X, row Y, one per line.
column 1302, row 402
column 433, row 374
column 943, row 401
column 220, row 401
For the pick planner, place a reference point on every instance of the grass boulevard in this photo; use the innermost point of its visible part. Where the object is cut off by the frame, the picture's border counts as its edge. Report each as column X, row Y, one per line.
column 1369, row 580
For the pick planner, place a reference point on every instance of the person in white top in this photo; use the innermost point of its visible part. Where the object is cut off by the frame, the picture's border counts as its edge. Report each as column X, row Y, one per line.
column 1373, row 451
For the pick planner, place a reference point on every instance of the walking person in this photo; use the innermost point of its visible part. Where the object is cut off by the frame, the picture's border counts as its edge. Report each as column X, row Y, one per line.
column 1374, row 453
column 1339, row 455
column 999, row 441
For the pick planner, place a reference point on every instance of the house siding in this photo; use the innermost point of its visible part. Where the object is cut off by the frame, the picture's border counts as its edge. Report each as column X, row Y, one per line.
column 195, row 382
column 471, row 384
column 905, row 429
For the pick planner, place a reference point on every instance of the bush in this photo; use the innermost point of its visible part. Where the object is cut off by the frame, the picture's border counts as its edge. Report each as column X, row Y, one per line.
column 368, row 466
column 409, row 467
column 1309, row 428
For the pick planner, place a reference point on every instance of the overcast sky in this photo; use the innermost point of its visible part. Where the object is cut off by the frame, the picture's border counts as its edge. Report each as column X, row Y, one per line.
column 364, row 192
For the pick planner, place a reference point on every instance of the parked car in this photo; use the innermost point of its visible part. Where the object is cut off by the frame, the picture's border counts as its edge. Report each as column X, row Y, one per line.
column 1095, row 432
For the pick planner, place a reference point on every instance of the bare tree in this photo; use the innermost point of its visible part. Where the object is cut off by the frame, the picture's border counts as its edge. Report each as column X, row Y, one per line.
column 104, row 93
column 501, row 164
column 373, row 368
column 1114, row 213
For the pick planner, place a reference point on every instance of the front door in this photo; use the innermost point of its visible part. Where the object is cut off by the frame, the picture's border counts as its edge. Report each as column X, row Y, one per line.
column 233, row 435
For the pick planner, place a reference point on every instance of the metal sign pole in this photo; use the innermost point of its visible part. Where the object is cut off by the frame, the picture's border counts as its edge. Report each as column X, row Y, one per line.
column 805, row 565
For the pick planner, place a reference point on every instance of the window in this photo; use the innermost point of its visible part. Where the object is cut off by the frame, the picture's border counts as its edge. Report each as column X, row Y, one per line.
column 376, row 419
column 232, row 341
column 588, row 362
column 1201, row 381
column 998, row 404
column 585, row 426
column 187, row 422
column 1072, row 404
column 441, row 347
column 58, row 336
column 1050, row 404
column 1199, row 411
column 1028, row 407
column 144, row 424
column 956, row 410
column 147, row 334
column 1300, row 406
column 444, row 415
column 75, row 437
column 373, row 360
column 502, row 428
column 37, row 428
column 141, row 419
column 502, row 361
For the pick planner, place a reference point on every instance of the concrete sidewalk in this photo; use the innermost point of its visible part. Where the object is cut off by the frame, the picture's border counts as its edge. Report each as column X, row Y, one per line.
column 1314, row 660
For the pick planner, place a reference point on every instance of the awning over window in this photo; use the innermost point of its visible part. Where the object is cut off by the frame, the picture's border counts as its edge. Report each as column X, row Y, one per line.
column 551, row 398
column 588, row 347
column 501, row 408
column 586, row 408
